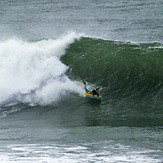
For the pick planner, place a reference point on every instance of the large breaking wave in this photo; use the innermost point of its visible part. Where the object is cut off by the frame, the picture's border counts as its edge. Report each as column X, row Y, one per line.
column 46, row 72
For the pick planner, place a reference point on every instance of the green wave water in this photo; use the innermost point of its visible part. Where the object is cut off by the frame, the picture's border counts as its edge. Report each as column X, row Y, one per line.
column 130, row 77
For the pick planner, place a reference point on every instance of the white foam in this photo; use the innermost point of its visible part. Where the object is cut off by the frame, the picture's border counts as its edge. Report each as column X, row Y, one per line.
column 74, row 153
column 35, row 66
column 5, row 113
column 156, row 47
column 53, row 91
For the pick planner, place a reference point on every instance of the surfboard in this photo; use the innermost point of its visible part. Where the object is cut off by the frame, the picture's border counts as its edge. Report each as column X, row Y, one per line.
column 89, row 95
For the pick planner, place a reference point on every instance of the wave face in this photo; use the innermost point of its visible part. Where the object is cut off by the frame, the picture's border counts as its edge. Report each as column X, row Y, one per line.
column 118, row 66
column 31, row 71
column 130, row 75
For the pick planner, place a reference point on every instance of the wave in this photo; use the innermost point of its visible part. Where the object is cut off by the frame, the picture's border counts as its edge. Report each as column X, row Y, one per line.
column 46, row 71
column 123, row 70
column 31, row 71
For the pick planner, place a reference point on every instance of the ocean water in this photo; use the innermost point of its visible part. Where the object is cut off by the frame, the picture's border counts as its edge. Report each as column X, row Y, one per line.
column 48, row 47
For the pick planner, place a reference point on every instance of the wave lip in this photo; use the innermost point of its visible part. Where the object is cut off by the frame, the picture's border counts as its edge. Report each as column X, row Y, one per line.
column 27, row 66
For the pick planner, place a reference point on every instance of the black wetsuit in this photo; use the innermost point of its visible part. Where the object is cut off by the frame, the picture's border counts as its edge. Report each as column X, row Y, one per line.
column 95, row 93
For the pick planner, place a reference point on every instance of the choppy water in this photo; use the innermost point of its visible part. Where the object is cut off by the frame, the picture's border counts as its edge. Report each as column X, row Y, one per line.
column 47, row 48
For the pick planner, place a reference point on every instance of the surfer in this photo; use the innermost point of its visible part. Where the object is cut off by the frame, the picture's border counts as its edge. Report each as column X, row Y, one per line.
column 93, row 92
column 96, row 92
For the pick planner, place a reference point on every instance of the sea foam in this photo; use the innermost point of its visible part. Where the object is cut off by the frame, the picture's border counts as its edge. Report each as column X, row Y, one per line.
column 31, row 71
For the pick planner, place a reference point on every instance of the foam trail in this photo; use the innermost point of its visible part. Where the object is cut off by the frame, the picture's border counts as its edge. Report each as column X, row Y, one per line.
column 52, row 91
column 27, row 66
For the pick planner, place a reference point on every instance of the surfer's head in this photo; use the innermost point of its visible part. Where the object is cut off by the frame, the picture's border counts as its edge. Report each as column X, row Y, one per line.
column 97, row 89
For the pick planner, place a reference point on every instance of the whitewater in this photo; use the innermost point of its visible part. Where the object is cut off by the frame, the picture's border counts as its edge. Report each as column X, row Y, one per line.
column 32, row 71
column 47, row 48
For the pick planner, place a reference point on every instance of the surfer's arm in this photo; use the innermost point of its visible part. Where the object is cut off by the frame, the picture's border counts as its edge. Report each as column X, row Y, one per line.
column 86, row 90
column 85, row 87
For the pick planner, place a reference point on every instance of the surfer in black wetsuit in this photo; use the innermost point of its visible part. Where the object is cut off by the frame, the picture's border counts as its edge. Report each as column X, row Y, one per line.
column 94, row 92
